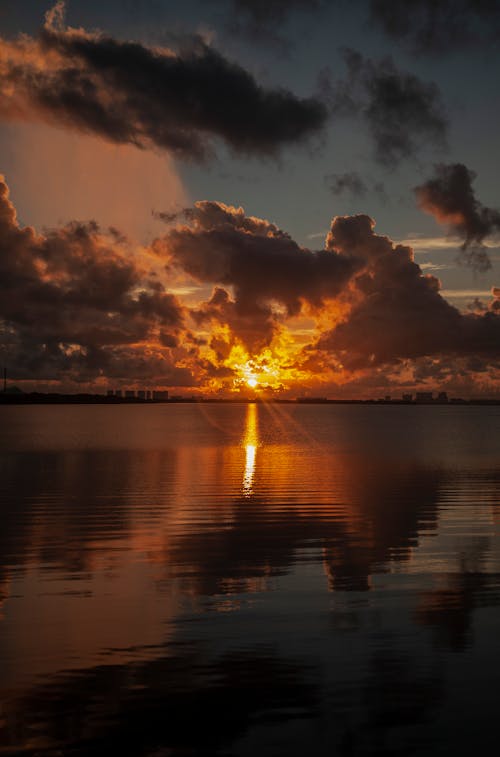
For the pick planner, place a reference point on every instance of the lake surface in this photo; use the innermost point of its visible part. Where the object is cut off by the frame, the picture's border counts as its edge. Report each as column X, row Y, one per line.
column 249, row 580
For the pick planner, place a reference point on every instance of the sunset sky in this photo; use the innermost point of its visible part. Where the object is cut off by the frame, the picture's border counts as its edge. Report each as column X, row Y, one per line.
column 237, row 196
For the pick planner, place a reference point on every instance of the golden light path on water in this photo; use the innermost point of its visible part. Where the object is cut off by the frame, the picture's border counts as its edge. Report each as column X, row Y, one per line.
column 250, row 442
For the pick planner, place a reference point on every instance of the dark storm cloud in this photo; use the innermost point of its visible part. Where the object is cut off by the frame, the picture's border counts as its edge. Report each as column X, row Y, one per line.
column 271, row 275
column 436, row 26
column 73, row 301
column 403, row 113
column 397, row 312
column 128, row 93
column 450, row 198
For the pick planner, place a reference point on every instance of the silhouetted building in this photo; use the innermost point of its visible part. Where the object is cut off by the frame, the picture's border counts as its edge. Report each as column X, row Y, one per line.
column 129, row 394
column 311, row 399
column 160, row 394
column 442, row 397
column 424, row 397
column 141, row 394
column 407, row 397
column 110, row 393
column 118, row 393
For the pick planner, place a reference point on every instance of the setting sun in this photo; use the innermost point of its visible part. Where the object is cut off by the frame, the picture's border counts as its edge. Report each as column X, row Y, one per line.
column 271, row 370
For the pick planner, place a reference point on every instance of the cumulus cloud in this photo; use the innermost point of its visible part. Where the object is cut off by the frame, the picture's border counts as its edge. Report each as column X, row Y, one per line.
column 125, row 92
column 78, row 304
column 74, row 302
column 397, row 312
column 403, row 113
column 393, row 303
column 270, row 274
column 374, row 306
column 449, row 197
column 253, row 323
column 437, row 26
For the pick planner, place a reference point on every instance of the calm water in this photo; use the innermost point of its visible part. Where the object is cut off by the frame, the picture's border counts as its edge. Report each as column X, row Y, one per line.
column 242, row 580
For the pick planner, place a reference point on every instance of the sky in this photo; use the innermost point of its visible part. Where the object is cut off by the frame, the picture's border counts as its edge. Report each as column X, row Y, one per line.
column 239, row 197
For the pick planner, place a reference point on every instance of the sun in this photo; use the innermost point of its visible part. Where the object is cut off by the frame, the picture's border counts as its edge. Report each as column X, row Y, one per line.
column 263, row 373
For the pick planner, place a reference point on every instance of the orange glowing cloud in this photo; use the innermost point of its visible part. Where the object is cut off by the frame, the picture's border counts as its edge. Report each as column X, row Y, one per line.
column 85, row 307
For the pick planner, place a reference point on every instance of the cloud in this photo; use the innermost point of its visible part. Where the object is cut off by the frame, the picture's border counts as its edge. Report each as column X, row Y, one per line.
column 263, row 20
column 79, row 304
column 461, row 294
column 438, row 26
column 430, row 266
column 397, row 312
column 346, row 182
column 75, row 303
column 253, row 323
column 127, row 93
column 264, row 13
column 272, row 277
column 352, row 183
column 424, row 245
column 373, row 305
column 403, row 113
column 449, row 197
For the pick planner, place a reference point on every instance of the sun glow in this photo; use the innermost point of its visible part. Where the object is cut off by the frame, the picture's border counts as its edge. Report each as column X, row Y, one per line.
column 265, row 372
column 268, row 370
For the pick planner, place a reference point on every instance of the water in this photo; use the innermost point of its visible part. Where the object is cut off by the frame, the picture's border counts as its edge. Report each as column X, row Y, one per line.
column 241, row 579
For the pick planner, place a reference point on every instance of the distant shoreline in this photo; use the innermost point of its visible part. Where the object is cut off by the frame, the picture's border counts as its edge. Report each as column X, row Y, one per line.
column 39, row 398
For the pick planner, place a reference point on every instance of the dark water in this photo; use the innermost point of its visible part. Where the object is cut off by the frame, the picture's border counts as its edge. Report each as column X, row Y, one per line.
column 249, row 580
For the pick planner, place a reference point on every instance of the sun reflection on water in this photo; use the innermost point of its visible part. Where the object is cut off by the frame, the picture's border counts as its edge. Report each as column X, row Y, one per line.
column 250, row 442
